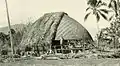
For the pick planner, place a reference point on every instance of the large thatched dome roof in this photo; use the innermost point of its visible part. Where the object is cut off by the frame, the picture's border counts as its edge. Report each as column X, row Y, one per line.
column 52, row 26
column 71, row 29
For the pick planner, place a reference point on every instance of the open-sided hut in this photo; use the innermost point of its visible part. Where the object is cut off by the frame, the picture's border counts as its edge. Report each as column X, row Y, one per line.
column 49, row 28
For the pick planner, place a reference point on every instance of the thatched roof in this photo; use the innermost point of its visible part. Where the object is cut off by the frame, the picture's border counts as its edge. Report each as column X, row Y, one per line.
column 52, row 26
column 71, row 29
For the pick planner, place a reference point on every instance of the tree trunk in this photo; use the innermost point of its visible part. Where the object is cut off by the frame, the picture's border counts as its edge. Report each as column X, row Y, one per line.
column 98, row 35
column 114, row 43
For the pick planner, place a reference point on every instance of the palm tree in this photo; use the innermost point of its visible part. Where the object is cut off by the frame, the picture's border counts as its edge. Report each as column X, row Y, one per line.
column 95, row 5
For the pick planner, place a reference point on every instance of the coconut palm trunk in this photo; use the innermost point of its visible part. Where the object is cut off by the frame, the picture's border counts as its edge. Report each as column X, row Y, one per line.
column 118, row 7
column 98, row 35
column 9, row 27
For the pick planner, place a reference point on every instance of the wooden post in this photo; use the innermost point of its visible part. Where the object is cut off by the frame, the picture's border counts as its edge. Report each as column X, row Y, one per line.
column 55, row 49
column 61, row 43
column 9, row 27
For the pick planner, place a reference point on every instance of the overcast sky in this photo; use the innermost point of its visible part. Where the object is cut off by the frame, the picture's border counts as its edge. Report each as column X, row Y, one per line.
column 23, row 10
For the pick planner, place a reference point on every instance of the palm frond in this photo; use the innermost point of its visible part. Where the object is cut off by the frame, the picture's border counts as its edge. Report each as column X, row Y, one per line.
column 101, row 4
column 88, row 8
column 98, row 3
column 104, row 10
column 86, row 16
column 115, row 5
column 97, row 17
column 104, row 16
column 92, row 3
column 111, row 17
column 116, row 14
column 110, row 4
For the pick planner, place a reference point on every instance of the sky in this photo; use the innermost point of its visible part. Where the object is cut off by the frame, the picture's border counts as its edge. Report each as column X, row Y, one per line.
column 23, row 11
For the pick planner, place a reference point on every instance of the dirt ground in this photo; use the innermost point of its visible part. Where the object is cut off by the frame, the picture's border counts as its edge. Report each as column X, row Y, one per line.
column 66, row 62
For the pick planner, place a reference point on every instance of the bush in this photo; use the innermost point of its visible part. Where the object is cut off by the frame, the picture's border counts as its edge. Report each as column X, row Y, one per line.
column 116, row 55
column 16, row 56
column 4, row 52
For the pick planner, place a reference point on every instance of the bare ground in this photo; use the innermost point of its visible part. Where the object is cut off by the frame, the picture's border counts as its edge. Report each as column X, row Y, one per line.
column 66, row 62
